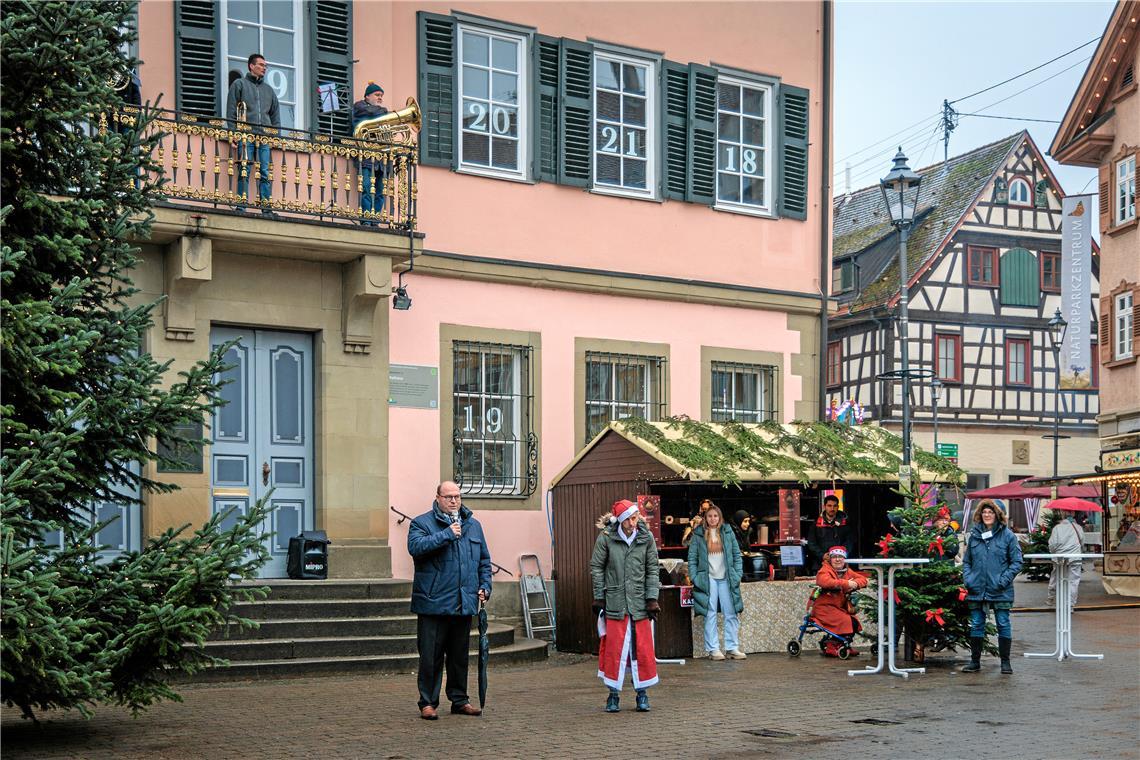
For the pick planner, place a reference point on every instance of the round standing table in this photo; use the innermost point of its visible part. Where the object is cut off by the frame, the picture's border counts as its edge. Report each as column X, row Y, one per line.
column 1064, row 647
column 887, row 637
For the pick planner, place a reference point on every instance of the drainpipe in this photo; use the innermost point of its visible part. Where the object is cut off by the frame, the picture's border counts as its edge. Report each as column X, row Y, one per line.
column 824, row 205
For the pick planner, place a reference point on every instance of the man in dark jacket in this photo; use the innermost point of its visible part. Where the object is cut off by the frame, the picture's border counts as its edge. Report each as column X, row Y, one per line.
column 829, row 530
column 371, row 180
column 252, row 102
column 452, row 578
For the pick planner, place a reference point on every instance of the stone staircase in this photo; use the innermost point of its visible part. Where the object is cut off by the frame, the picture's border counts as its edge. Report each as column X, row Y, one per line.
column 338, row 627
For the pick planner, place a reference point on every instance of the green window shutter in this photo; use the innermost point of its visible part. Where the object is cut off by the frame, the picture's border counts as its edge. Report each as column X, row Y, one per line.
column 576, row 98
column 1020, row 284
column 330, row 60
column 437, row 51
column 674, row 160
column 546, row 55
column 701, row 135
column 197, row 60
column 792, row 105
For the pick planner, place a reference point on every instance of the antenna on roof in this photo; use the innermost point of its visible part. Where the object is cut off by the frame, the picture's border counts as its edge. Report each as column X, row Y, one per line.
column 949, row 123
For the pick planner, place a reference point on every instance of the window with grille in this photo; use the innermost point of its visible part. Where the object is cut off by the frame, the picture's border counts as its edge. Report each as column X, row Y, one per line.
column 1017, row 361
column 495, row 448
column 834, row 364
column 623, row 385
column 743, row 392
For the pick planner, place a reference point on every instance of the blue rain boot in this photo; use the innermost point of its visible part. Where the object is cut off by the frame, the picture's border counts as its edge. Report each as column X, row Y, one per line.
column 642, row 701
column 612, row 701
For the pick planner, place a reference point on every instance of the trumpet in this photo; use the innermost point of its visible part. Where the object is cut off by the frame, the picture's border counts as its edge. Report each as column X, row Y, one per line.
column 394, row 126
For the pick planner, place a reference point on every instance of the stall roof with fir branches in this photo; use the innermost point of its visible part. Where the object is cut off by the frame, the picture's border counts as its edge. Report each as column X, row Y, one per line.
column 804, row 452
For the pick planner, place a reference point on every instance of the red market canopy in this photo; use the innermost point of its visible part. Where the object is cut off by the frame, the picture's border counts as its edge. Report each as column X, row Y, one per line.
column 1016, row 490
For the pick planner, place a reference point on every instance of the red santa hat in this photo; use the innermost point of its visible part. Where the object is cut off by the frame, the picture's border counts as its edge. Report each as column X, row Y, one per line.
column 624, row 509
column 943, row 513
column 841, row 551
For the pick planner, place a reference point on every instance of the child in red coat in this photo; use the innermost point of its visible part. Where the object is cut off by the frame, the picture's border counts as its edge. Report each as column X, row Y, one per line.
column 834, row 609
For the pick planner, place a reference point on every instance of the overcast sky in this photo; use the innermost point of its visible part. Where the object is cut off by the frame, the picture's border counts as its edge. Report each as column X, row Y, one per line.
column 896, row 62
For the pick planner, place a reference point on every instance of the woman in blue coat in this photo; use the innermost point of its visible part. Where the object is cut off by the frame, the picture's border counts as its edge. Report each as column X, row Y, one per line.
column 715, row 567
column 993, row 560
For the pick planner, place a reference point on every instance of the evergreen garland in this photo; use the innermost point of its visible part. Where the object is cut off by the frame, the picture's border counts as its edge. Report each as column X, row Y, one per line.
column 82, row 402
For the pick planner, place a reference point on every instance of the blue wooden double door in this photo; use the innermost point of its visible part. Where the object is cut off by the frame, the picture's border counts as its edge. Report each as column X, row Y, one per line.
column 262, row 435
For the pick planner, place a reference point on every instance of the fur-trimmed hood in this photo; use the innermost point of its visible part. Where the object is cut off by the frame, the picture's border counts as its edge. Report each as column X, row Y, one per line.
column 992, row 505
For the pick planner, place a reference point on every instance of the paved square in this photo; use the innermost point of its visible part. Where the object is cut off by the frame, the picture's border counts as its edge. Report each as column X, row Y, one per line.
column 766, row 706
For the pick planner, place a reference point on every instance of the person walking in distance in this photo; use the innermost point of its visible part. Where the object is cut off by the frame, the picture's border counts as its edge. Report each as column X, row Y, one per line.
column 626, row 581
column 452, row 576
column 716, row 567
column 992, row 561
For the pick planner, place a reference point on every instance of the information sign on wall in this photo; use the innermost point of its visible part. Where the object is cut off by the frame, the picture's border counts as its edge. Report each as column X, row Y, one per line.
column 413, row 386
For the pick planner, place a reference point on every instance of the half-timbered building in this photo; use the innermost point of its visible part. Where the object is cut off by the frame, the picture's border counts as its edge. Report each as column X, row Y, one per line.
column 984, row 262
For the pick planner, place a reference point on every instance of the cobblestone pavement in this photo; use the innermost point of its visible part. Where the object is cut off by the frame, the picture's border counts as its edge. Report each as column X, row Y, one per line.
column 769, row 706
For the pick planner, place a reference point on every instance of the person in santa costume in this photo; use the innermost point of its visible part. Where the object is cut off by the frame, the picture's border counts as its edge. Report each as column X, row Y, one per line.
column 624, row 570
column 833, row 608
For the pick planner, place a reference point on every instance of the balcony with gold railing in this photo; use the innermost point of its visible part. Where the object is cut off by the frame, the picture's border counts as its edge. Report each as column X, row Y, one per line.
column 215, row 163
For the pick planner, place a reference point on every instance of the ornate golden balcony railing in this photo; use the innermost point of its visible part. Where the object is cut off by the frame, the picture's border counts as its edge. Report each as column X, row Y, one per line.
column 206, row 161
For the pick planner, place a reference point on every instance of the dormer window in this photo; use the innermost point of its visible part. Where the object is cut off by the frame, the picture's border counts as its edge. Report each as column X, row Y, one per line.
column 843, row 277
column 1019, row 194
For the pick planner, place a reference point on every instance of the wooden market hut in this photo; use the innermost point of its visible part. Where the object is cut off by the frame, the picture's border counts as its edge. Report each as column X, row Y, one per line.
column 635, row 457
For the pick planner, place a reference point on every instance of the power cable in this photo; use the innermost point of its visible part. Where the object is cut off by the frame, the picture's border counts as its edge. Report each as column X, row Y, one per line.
column 914, row 138
column 1038, row 84
column 888, row 138
column 1030, row 71
column 1010, row 118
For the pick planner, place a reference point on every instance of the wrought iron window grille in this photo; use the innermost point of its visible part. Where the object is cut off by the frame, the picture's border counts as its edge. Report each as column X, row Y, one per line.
column 494, row 446
column 743, row 392
column 623, row 385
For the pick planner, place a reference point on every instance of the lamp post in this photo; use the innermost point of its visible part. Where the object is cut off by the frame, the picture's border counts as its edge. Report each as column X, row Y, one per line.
column 900, row 192
column 1057, row 328
column 935, row 392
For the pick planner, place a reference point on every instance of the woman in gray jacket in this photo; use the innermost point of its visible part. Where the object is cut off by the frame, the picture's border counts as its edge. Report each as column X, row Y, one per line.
column 993, row 560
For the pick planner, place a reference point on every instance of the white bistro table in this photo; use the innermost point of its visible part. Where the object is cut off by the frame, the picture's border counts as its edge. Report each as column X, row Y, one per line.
column 887, row 636
column 1064, row 646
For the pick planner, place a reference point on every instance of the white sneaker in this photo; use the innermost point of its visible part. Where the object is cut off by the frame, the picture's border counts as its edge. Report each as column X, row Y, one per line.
column 716, row 654
column 736, row 654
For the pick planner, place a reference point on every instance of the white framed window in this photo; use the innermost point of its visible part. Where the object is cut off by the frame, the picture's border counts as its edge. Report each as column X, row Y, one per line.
column 1122, row 326
column 493, row 87
column 744, row 145
column 1019, row 194
column 272, row 28
column 743, row 392
column 491, row 417
column 624, row 134
column 1125, row 196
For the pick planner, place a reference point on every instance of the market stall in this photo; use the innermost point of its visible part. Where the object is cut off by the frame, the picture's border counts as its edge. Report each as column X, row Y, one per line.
column 769, row 480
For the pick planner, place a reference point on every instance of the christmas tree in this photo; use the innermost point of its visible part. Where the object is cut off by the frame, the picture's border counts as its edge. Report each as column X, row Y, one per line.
column 1039, row 544
column 82, row 402
column 930, row 608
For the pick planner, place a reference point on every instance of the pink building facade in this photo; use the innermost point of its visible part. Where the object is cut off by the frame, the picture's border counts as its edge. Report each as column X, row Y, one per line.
column 624, row 209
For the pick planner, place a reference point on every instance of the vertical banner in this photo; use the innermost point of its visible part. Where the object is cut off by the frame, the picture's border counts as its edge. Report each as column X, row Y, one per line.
column 1076, row 291
column 789, row 514
column 650, row 507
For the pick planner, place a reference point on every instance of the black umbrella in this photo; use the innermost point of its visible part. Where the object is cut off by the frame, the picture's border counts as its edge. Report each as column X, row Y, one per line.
column 484, row 653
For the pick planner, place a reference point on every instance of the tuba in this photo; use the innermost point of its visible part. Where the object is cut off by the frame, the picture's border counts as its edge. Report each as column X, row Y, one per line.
column 392, row 127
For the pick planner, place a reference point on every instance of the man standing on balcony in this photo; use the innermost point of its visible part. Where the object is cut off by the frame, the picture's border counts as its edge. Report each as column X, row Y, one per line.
column 371, row 195
column 452, row 578
column 253, row 103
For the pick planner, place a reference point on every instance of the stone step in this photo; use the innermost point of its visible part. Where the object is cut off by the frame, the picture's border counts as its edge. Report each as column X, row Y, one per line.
column 283, row 589
column 305, row 628
column 522, row 650
column 292, row 609
column 342, row 646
